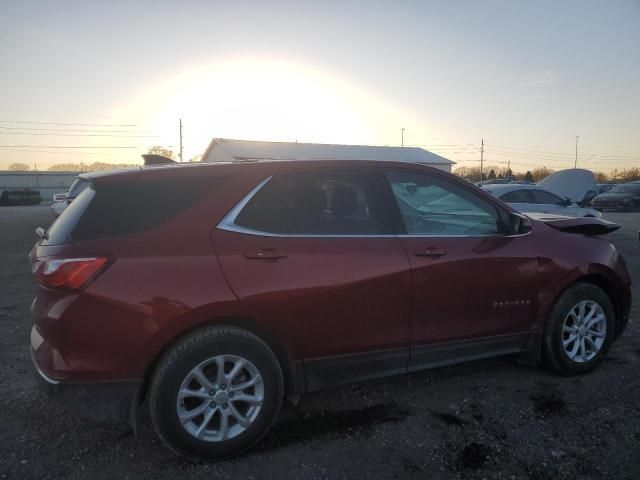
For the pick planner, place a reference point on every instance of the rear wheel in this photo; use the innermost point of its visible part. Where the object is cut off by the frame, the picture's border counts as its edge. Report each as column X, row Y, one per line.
column 579, row 330
column 216, row 393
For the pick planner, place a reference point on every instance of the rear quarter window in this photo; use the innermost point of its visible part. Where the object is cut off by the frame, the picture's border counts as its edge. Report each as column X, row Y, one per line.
column 130, row 207
column 516, row 196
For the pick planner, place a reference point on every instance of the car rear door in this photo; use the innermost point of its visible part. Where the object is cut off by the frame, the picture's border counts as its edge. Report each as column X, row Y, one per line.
column 313, row 256
column 548, row 202
column 519, row 200
column 474, row 288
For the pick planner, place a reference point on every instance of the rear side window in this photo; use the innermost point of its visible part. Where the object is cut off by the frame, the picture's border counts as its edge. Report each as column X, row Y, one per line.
column 265, row 212
column 134, row 206
column 325, row 202
column 546, row 198
column 517, row 196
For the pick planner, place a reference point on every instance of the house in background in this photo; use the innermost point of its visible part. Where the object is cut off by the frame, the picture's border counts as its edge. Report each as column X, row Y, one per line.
column 227, row 150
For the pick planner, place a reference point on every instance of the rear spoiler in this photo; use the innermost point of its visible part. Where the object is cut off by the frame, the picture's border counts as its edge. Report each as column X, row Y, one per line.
column 153, row 159
column 581, row 225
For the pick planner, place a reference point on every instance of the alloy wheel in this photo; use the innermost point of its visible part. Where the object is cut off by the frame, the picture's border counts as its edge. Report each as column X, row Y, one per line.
column 584, row 331
column 220, row 398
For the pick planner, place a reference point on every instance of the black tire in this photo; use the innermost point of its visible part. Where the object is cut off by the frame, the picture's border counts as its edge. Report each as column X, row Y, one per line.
column 554, row 355
column 187, row 354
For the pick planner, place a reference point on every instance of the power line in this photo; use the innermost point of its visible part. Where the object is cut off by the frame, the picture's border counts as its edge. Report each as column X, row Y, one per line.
column 75, row 130
column 562, row 154
column 72, row 124
column 60, row 152
column 58, row 146
column 79, row 135
column 544, row 158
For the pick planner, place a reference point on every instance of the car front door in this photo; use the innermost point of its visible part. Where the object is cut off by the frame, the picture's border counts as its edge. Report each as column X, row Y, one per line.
column 313, row 256
column 474, row 286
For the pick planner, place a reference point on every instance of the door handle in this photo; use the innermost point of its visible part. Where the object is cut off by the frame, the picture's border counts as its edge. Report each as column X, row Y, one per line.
column 431, row 252
column 265, row 254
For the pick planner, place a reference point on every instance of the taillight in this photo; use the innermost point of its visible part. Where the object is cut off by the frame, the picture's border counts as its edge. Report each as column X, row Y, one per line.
column 68, row 273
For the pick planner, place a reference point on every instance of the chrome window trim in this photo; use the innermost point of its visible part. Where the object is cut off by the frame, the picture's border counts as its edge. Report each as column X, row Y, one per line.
column 228, row 224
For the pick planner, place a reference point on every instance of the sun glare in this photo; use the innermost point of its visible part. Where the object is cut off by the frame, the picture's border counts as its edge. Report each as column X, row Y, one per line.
column 264, row 100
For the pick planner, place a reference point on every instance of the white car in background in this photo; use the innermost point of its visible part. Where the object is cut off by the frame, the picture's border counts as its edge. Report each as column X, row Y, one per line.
column 59, row 203
column 533, row 199
column 62, row 200
column 560, row 193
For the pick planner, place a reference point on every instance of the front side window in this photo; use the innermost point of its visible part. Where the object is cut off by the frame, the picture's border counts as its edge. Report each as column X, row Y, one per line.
column 430, row 206
column 324, row 202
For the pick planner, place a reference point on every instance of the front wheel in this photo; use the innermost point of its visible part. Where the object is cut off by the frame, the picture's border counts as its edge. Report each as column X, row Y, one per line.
column 579, row 330
column 216, row 393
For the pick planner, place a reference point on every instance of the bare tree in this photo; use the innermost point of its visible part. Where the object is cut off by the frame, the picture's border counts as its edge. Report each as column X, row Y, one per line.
column 19, row 167
column 158, row 150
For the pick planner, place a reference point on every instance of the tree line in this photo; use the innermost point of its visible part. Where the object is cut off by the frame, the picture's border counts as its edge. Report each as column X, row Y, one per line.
column 473, row 174
column 97, row 166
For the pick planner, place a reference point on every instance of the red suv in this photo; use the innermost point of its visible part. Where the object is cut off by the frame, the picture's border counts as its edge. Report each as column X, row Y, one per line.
column 213, row 291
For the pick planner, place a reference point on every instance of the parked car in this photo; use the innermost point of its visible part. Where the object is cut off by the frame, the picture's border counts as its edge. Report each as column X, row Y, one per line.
column 59, row 203
column 605, row 187
column 577, row 184
column 625, row 197
column 62, row 200
column 213, row 291
column 494, row 181
column 20, row 196
column 532, row 198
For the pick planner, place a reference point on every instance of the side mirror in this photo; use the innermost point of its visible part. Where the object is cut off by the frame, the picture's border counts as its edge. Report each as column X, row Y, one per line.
column 568, row 202
column 520, row 224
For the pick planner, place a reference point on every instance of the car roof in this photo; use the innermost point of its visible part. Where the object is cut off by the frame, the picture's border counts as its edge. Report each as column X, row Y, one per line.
column 183, row 170
column 498, row 189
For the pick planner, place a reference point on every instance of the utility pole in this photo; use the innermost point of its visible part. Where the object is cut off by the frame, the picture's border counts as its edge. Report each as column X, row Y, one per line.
column 180, row 140
column 481, row 159
column 402, row 136
column 575, row 165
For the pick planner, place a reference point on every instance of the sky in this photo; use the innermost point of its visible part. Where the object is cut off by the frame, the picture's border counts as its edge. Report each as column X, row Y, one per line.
column 102, row 81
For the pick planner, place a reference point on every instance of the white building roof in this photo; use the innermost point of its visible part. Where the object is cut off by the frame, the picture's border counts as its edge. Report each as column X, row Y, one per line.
column 227, row 150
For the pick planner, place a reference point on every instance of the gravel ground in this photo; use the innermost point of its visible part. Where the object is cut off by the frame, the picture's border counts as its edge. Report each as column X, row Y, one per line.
column 488, row 419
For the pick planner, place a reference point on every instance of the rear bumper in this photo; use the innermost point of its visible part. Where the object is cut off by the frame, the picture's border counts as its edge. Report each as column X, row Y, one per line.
column 114, row 401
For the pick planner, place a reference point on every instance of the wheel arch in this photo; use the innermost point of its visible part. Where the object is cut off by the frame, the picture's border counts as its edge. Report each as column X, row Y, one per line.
column 607, row 286
column 598, row 278
column 292, row 371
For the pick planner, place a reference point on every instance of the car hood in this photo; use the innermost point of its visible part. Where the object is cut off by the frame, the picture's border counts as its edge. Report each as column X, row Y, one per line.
column 612, row 197
column 573, row 183
column 582, row 225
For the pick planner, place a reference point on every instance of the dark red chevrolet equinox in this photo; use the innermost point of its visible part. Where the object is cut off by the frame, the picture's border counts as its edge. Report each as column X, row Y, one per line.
column 214, row 291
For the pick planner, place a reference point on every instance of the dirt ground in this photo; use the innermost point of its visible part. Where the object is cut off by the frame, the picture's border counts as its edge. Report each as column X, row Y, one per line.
column 488, row 419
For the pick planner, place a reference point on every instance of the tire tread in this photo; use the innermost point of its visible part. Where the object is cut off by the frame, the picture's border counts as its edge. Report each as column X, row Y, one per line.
column 184, row 345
